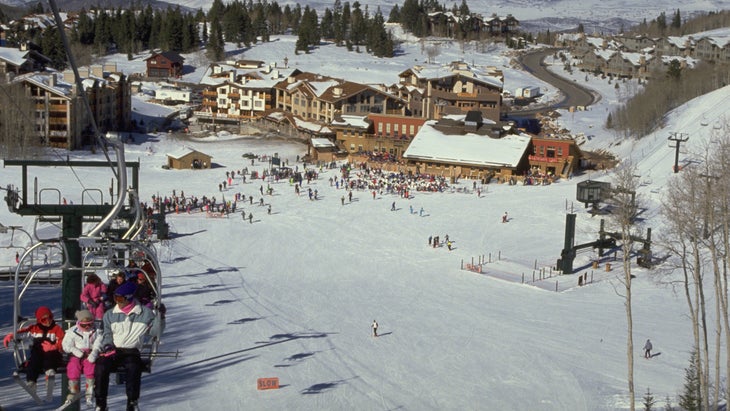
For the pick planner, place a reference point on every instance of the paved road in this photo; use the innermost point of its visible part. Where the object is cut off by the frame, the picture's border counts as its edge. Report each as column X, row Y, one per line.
column 573, row 94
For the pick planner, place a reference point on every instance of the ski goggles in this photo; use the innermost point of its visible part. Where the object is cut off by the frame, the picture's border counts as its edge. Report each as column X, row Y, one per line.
column 86, row 324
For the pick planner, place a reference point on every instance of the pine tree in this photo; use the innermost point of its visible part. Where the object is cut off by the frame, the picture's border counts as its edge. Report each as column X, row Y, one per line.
column 677, row 20
column 215, row 50
column 358, row 28
column 394, row 16
column 691, row 398
column 649, row 400
column 85, row 29
column 327, row 25
column 52, row 47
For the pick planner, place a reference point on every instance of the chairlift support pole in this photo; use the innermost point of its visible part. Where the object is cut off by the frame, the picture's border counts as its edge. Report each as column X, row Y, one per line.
column 677, row 138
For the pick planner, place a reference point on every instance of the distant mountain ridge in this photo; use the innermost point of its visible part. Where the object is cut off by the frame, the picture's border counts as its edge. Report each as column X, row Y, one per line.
column 598, row 16
column 76, row 5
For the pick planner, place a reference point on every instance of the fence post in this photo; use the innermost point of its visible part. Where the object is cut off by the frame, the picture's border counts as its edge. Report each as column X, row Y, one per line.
column 523, row 278
column 556, row 286
column 499, row 256
column 462, row 263
column 472, row 261
column 535, row 264
column 490, row 257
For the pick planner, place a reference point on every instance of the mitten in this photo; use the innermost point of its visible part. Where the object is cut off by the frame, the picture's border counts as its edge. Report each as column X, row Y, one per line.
column 7, row 339
column 48, row 346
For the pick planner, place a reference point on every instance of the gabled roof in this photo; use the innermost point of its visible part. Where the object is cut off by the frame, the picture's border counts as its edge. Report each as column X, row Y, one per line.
column 169, row 55
column 45, row 82
column 17, row 57
column 486, row 76
column 182, row 152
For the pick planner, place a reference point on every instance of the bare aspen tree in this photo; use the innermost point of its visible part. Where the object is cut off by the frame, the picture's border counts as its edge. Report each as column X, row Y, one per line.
column 715, row 236
column 684, row 212
column 432, row 52
column 623, row 213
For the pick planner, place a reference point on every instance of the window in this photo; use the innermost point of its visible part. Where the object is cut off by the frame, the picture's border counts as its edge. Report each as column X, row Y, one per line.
column 380, row 128
column 412, row 128
column 387, row 128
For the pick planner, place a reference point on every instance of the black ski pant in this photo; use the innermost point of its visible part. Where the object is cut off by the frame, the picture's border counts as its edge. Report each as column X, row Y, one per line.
column 125, row 359
column 40, row 361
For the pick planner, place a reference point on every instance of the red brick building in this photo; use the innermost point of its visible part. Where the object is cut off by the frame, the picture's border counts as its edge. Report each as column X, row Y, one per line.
column 554, row 156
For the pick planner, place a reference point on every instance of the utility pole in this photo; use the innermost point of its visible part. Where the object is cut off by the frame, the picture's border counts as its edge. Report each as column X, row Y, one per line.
column 677, row 138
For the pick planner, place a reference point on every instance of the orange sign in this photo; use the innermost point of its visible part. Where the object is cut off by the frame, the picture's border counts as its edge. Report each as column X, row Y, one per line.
column 267, row 383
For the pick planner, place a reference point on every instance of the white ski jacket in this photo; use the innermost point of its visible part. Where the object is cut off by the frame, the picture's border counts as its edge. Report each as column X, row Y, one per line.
column 79, row 342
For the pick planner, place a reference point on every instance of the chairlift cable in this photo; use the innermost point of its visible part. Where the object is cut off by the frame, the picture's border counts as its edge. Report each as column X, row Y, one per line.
column 80, row 86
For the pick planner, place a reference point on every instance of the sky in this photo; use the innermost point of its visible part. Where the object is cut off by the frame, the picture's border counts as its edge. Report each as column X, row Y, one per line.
column 292, row 294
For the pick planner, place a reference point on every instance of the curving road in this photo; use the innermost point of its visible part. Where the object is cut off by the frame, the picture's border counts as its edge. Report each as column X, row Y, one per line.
column 573, row 94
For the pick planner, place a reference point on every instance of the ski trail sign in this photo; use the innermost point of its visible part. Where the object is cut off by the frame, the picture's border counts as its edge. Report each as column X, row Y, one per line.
column 267, row 383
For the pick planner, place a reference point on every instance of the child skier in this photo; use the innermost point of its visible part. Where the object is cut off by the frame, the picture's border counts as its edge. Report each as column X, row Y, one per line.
column 45, row 352
column 78, row 343
column 93, row 295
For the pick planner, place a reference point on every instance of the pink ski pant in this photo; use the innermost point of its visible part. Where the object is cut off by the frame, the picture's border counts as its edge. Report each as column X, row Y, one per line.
column 76, row 366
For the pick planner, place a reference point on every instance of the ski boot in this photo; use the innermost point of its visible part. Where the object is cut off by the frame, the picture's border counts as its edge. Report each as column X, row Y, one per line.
column 90, row 392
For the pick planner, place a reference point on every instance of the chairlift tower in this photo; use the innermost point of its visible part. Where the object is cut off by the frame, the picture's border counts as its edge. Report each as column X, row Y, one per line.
column 72, row 217
column 676, row 139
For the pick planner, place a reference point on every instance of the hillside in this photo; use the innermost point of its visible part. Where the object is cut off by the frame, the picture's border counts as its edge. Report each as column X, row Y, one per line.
column 292, row 294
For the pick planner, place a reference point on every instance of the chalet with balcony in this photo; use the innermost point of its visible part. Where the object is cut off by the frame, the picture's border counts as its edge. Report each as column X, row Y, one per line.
column 165, row 64
column 456, row 88
column 498, row 25
column 61, row 119
column 237, row 92
column 313, row 97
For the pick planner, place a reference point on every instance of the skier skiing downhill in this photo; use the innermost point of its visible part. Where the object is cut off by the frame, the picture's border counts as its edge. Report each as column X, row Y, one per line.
column 647, row 349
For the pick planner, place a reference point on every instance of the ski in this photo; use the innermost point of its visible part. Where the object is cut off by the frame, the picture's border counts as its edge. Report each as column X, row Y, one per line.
column 50, row 384
column 25, row 386
column 69, row 402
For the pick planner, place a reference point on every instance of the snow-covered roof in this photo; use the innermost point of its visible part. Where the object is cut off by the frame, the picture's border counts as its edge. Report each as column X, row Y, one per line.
column 44, row 80
column 320, row 87
column 310, row 126
column 322, row 143
column 431, row 144
column 13, row 55
column 635, row 58
column 184, row 151
column 352, row 121
column 484, row 75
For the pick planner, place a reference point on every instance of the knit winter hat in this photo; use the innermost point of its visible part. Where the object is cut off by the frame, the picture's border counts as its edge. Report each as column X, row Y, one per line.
column 126, row 289
column 84, row 315
column 43, row 311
